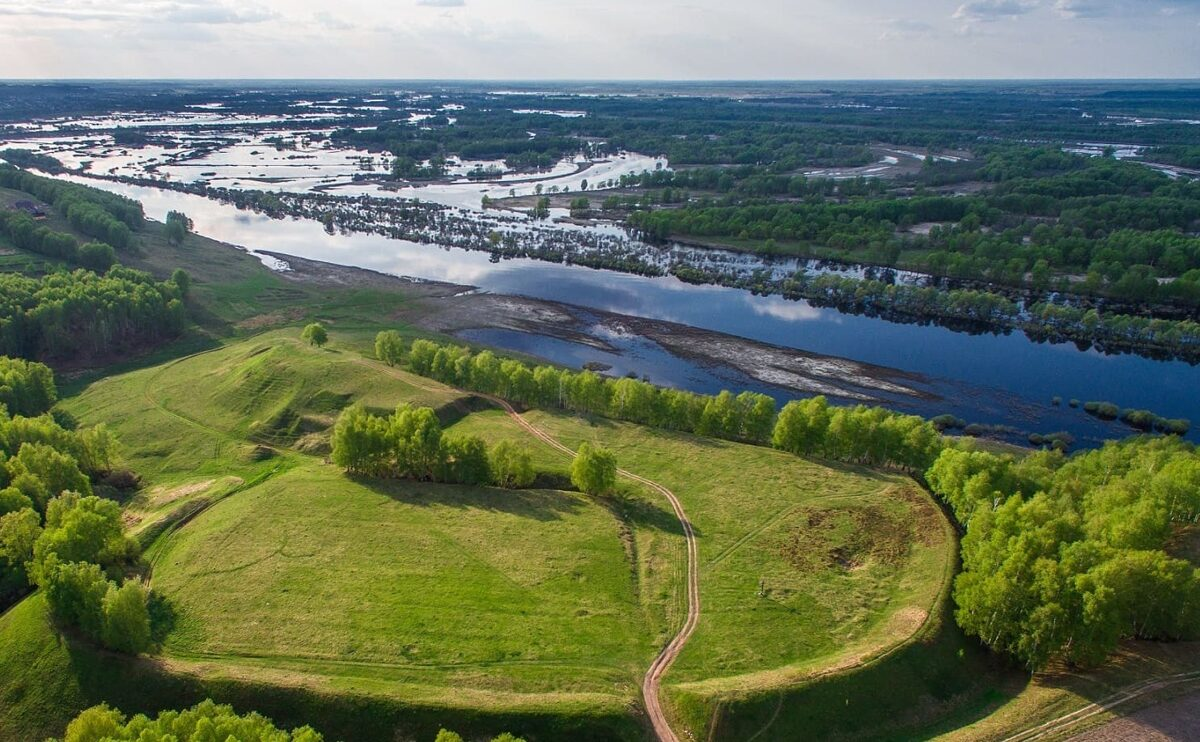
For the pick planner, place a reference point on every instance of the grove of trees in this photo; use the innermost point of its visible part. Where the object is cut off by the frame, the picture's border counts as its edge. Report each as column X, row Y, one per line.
column 1065, row 557
column 410, row 445
column 62, row 316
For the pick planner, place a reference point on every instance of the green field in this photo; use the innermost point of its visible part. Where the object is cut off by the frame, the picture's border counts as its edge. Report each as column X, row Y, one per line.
column 275, row 567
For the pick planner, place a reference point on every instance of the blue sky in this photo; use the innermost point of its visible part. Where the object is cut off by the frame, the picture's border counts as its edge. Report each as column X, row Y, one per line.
column 609, row 39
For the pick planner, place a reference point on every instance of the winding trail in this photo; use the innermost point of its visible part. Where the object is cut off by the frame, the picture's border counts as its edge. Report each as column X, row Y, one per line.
column 652, row 682
column 1060, row 725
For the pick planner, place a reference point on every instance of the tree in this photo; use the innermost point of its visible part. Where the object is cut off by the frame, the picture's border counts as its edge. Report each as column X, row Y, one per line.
column 177, row 226
column 465, row 461
column 83, row 529
column 445, row 735
column 389, row 347
column 314, row 334
column 19, row 531
column 26, row 388
column 594, row 470
column 416, row 438
column 42, row 472
column 512, row 466
column 361, row 442
column 802, row 426
column 182, row 281
column 97, row 257
column 126, row 618
column 75, row 592
column 203, row 722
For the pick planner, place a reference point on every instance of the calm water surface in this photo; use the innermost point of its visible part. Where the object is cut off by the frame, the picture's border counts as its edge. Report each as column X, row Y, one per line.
column 1006, row 379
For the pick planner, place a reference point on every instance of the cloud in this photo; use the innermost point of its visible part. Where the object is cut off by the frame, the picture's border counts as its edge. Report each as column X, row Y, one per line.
column 904, row 28
column 994, row 10
column 216, row 14
column 181, row 11
column 442, row 3
column 331, row 22
column 1121, row 8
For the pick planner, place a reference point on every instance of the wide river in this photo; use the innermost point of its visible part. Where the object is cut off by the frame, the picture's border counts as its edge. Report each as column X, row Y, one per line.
column 996, row 379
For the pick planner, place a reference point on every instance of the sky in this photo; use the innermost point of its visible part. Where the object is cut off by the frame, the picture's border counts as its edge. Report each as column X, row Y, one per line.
column 600, row 39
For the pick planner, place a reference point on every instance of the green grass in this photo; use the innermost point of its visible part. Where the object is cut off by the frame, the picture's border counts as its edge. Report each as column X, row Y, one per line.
column 429, row 585
column 850, row 561
column 286, row 572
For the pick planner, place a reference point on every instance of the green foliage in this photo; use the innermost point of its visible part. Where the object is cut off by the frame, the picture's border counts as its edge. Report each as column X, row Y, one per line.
column 27, row 234
column 594, row 470
column 745, row 417
column 864, row 435
column 408, row 445
column 205, row 722
column 43, row 472
column 26, row 388
column 176, row 227
column 65, row 315
column 314, row 334
column 126, row 618
column 1065, row 557
column 512, row 466
column 389, row 347
column 97, row 257
column 19, row 530
column 182, row 281
column 465, row 461
column 75, row 592
column 83, row 529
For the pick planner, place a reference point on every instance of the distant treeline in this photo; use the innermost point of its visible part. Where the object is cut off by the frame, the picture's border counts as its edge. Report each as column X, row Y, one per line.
column 1048, row 214
column 104, row 216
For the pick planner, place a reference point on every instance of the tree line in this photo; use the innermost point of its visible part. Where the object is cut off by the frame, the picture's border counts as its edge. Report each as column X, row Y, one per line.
column 203, row 722
column 1065, row 557
column 27, row 234
column 55, row 533
column 98, row 214
column 410, row 445
column 63, row 316
column 865, row 435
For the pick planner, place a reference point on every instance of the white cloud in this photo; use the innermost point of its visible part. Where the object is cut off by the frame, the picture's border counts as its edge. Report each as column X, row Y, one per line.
column 632, row 39
column 994, row 10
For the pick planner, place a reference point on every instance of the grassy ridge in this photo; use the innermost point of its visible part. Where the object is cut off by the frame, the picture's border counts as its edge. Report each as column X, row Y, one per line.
column 540, row 601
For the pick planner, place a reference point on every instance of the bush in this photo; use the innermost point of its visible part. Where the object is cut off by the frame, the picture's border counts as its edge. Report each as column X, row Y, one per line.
column 512, row 466
column 1102, row 410
column 389, row 347
column 594, row 470
column 126, row 618
column 97, row 257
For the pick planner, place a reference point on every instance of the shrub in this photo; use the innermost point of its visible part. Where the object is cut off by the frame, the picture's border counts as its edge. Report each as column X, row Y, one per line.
column 389, row 347
column 512, row 466
column 594, row 470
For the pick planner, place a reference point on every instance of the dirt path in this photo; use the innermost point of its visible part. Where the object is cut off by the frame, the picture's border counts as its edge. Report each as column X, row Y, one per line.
column 652, row 681
column 1059, row 726
column 651, row 684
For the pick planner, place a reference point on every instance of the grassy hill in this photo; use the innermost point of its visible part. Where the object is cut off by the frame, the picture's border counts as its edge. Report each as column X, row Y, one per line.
column 539, row 609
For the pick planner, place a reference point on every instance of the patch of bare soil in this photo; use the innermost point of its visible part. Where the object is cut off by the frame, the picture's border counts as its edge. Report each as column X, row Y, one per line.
column 318, row 272
column 845, row 539
column 1176, row 719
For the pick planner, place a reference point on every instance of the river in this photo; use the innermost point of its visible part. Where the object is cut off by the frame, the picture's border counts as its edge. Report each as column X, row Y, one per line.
column 991, row 379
